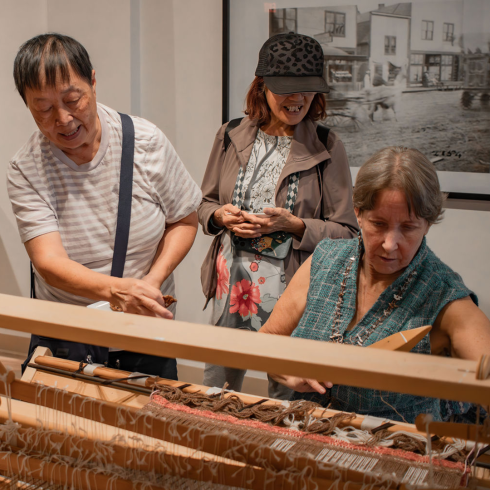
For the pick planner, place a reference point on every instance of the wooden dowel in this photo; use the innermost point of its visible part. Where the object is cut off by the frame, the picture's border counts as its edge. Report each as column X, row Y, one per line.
column 468, row 432
column 101, row 372
column 402, row 341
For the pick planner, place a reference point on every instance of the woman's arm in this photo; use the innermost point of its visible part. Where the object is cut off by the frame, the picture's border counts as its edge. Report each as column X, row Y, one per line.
column 210, row 184
column 291, row 305
column 213, row 216
column 462, row 329
column 285, row 318
column 50, row 259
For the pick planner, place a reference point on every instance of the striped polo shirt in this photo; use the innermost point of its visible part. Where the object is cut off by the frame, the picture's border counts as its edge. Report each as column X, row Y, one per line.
column 51, row 193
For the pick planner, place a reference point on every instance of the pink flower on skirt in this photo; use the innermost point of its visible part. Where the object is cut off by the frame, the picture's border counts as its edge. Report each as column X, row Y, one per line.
column 223, row 278
column 254, row 267
column 244, row 298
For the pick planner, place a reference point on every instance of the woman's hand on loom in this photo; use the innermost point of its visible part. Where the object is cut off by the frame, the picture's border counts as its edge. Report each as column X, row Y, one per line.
column 302, row 385
column 278, row 219
column 139, row 297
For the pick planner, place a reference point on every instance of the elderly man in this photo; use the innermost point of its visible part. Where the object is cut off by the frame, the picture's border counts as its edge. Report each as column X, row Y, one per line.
column 64, row 188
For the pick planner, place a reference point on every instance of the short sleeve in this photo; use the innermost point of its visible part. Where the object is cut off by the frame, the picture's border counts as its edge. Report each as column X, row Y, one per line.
column 174, row 187
column 30, row 201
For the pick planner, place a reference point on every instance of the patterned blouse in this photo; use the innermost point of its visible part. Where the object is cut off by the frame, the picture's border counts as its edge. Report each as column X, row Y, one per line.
column 434, row 285
column 249, row 285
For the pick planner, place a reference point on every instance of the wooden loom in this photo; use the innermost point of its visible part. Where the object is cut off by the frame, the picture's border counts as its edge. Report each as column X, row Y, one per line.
column 408, row 373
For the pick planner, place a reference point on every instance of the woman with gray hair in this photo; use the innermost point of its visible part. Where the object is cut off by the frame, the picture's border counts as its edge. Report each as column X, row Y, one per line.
column 390, row 282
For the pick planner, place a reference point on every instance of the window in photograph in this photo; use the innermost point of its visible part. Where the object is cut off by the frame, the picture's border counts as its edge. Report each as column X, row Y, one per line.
column 283, row 20
column 335, row 23
column 428, row 30
column 390, row 45
column 339, row 71
column 447, row 67
column 416, row 62
column 448, row 32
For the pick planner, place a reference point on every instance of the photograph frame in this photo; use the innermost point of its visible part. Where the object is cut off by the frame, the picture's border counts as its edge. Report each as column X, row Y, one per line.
column 233, row 38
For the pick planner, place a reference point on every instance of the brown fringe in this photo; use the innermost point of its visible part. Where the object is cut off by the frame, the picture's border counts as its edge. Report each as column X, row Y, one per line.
column 301, row 410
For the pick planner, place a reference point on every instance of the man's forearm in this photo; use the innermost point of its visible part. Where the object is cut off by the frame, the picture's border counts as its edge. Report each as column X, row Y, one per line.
column 72, row 277
column 173, row 247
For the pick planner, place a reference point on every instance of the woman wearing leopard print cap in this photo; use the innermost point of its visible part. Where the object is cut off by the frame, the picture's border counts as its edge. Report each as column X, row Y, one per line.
column 276, row 184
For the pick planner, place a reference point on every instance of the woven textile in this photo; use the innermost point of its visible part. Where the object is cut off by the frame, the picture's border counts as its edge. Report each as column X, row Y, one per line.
column 433, row 287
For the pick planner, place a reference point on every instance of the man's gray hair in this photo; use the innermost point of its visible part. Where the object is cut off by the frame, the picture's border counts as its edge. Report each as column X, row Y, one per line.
column 406, row 169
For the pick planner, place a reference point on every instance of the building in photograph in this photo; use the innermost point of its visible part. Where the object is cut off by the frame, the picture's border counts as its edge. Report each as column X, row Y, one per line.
column 383, row 35
column 436, row 53
column 423, row 39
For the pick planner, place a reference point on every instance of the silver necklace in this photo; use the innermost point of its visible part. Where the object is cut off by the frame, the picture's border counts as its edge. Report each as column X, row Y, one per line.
column 361, row 337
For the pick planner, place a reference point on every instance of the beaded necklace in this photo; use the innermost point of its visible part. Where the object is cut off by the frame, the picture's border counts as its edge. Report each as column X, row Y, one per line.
column 361, row 337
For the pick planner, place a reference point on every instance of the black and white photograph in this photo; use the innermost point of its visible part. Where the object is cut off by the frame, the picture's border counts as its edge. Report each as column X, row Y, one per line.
column 415, row 74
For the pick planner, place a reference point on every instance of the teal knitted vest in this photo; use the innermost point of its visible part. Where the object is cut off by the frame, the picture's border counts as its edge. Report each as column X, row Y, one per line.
column 433, row 286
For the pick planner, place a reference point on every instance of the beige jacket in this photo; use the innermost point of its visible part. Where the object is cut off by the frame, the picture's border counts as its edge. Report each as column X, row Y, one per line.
column 307, row 151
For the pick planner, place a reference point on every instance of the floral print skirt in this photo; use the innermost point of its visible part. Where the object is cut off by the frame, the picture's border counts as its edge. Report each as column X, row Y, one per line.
column 248, row 287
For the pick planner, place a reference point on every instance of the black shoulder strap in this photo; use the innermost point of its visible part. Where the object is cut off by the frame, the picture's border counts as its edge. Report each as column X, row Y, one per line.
column 231, row 125
column 125, row 197
column 322, row 133
column 33, row 283
column 124, row 207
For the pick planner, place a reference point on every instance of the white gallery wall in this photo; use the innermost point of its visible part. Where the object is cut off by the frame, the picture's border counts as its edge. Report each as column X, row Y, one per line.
column 161, row 59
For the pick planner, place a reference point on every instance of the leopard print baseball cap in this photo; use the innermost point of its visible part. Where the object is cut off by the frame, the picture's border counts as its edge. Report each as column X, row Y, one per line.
column 291, row 63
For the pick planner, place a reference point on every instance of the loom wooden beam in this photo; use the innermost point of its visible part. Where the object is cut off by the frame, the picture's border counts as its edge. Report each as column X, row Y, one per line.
column 403, row 372
column 468, row 432
column 28, row 467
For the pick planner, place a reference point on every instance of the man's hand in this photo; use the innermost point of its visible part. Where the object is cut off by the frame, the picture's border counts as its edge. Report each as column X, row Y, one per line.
column 139, row 297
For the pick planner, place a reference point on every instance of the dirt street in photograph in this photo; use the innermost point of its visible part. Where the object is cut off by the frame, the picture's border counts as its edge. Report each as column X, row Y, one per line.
column 434, row 122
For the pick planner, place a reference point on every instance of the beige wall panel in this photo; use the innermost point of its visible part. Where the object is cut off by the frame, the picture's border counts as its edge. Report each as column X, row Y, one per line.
column 158, row 81
column 103, row 27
